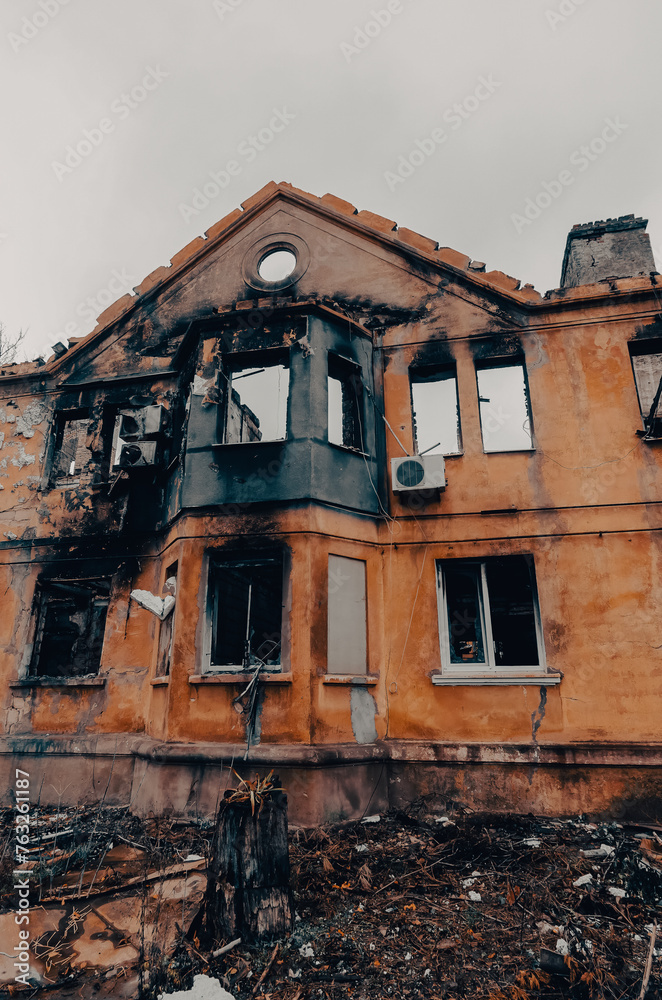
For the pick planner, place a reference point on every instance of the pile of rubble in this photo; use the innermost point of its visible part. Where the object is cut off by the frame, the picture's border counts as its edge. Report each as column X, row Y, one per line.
column 406, row 905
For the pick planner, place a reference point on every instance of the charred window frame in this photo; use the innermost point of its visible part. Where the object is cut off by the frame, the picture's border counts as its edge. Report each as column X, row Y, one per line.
column 246, row 607
column 505, row 405
column 70, row 619
column 167, row 626
column 346, row 417
column 489, row 618
column 71, row 455
column 646, row 359
column 435, row 408
column 256, row 397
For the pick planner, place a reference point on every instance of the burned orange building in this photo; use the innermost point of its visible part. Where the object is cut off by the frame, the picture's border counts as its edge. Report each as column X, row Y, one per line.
column 325, row 497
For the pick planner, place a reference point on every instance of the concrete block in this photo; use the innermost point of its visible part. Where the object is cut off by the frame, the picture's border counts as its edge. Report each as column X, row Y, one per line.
column 376, row 221
column 418, row 241
column 223, row 224
column 188, row 251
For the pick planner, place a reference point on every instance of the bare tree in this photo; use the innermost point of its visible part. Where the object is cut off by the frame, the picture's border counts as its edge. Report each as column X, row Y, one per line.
column 10, row 346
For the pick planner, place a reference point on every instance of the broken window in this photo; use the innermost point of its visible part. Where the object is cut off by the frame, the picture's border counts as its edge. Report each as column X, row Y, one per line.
column 256, row 403
column 71, row 617
column 167, row 628
column 346, row 631
column 488, row 614
column 505, row 413
column 647, row 368
column 247, row 612
column 345, row 404
column 72, row 454
column 435, row 411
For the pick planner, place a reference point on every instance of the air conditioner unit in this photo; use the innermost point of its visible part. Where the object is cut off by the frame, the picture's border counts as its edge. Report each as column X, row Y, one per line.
column 418, row 473
column 142, row 422
column 138, row 453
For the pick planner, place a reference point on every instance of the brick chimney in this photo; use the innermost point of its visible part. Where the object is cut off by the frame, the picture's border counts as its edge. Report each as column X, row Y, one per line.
column 616, row 248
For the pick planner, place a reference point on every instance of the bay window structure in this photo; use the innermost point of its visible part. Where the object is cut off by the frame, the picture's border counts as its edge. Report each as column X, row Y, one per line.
column 246, row 609
column 489, row 621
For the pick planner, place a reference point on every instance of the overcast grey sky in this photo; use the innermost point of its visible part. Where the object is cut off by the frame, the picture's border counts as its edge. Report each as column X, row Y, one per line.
column 353, row 97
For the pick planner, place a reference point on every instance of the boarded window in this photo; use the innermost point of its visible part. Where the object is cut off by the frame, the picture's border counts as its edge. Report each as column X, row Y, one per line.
column 71, row 617
column 505, row 415
column 345, row 404
column 72, row 454
column 256, row 404
column 347, row 640
column 647, row 374
column 435, row 411
column 489, row 613
column 247, row 612
column 167, row 628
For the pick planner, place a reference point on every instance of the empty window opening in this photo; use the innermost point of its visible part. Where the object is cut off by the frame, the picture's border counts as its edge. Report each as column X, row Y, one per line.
column 489, row 614
column 436, row 414
column 247, row 613
column 346, row 632
column 277, row 265
column 256, row 404
column 505, row 413
column 72, row 453
column 167, row 626
column 647, row 370
column 71, row 618
column 345, row 404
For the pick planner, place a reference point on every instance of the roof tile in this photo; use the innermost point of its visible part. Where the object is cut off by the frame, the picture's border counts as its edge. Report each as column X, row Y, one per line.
column 223, row 224
column 416, row 240
column 449, row 256
column 338, row 204
column 188, row 251
column 259, row 196
column 376, row 221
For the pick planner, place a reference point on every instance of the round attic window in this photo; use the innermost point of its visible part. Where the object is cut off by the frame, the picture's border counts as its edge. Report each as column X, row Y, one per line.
column 277, row 265
column 275, row 262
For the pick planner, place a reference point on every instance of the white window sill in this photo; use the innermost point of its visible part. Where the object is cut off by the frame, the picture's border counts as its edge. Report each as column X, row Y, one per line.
column 498, row 680
column 160, row 681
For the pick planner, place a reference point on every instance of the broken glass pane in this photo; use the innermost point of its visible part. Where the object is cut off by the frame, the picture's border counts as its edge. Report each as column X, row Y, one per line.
column 512, row 613
column 504, row 408
column 256, row 407
column 436, row 417
column 464, row 605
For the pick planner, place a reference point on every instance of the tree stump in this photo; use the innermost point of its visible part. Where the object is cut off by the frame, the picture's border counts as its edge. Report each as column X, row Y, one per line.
column 248, row 892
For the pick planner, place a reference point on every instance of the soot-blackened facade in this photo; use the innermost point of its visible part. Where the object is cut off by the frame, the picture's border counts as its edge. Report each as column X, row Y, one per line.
column 325, row 497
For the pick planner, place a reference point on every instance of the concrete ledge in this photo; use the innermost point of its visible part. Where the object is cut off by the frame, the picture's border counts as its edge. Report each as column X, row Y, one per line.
column 159, row 681
column 239, row 678
column 361, row 679
column 73, row 682
column 333, row 782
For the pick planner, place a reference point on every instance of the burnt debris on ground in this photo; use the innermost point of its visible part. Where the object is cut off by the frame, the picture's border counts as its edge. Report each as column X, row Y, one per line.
column 408, row 904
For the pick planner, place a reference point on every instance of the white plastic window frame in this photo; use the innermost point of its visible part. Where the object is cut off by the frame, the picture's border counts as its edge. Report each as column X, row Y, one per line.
column 489, row 672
